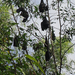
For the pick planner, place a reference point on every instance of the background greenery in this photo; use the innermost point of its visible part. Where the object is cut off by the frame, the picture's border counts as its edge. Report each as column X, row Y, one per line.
column 17, row 61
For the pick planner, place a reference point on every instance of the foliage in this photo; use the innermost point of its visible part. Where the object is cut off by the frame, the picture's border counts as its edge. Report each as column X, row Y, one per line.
column 21, row 35
column 40, row 54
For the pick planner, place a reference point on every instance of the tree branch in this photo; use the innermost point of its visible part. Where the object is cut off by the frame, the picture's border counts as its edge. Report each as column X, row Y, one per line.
column 14, row 18
column 11, row 59
column 50, row 34
column 67, row 50
column 37, row 27
column 60, row 39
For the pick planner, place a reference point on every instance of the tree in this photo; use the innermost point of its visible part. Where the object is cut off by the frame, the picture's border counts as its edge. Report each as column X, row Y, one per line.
column 52, row 48
column 40, row 55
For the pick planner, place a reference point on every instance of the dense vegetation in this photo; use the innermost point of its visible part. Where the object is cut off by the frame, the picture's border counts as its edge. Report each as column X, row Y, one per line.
column 19, row 34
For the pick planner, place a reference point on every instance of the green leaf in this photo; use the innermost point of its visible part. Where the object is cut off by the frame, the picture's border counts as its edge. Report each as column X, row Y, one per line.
column 61, row 0
column 22, row 71
column 36, row 28
column 21, row 29
column 36, row 63
column 36, row 9
column 31, row 58
column 12, row 23
column 35, row 33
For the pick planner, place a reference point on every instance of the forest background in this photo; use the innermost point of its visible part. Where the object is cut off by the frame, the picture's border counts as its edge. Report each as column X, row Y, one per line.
column 46, row 28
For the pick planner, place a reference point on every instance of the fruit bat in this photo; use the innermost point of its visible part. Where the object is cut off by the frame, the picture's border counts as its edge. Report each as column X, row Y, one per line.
column 24, row 45
column 16, row 41
column 46, row 8
column 44, row 24
column 24, row 13
column 42, row 6
column 46, row 43
column 24, row 20
column 19, row 9
column 47, row 55
column 53, row 35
